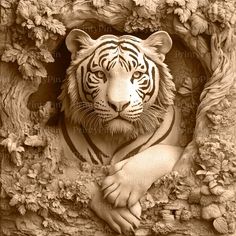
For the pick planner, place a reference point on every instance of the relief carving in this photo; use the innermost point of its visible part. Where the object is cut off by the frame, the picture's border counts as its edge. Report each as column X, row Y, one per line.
column 146, row 144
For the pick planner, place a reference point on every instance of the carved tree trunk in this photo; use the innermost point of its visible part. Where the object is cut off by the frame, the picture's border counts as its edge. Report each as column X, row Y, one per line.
column 44, row 192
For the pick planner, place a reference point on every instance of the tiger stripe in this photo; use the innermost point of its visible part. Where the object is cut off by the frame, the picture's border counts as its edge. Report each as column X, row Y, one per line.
column 116, row 70
column 125, row 151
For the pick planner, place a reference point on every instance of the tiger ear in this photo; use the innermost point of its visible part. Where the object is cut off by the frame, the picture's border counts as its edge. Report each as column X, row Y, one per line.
column 160, row 40
column 76, row 40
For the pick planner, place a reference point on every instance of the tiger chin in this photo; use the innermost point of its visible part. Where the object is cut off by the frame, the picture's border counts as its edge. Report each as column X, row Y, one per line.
column 118, row 109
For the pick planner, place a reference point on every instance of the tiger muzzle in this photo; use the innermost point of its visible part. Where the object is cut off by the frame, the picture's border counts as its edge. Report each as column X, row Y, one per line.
column 118, row 106
column 118, row 94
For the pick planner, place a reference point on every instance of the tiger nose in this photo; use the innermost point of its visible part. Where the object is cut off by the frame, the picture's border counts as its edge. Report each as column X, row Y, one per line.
column 118, row 106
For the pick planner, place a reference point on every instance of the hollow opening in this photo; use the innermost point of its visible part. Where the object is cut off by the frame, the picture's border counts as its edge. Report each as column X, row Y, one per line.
column 188, row 75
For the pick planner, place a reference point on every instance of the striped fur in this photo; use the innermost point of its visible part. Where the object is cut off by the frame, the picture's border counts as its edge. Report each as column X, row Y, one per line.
column 125, row 67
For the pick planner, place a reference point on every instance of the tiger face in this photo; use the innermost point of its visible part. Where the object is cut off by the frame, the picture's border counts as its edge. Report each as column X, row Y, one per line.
column 117, row 85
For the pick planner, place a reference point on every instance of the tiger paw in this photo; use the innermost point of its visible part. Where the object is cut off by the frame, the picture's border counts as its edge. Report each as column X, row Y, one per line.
column 127, row 183
column 121, row 220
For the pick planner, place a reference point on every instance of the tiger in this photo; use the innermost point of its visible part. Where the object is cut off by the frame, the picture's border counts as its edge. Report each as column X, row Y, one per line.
column 118, row 110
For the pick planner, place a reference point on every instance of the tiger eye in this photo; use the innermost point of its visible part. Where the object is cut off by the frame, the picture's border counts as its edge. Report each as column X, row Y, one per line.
column 137, row 74
column 100, row 74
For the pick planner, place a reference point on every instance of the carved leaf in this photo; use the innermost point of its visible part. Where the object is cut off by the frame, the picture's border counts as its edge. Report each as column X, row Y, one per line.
column 10, row 54
column 221, row 226
column 22, row 209
column 192, row 5
column 198, row 23
column 32, row 174
column 22, row 58
column 27, row 70
column 46, row 56
column 179, row 11
column 201, row 172
column 179, row 27
column 34, row 69
column 41, row 71
column 29, row 24
column 54, row 25
column 26, row 9
column 30, row 188
column 37, row 19
column 15, row 199
column 183, row 14
column 212, row 184
column 32, row 207
column 40, row 35
column 16, row 158
column 33, row 61
column 208, row 178
column 17, row 46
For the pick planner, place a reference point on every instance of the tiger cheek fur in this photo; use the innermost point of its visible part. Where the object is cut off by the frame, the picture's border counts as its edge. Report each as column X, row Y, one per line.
column 117, row 84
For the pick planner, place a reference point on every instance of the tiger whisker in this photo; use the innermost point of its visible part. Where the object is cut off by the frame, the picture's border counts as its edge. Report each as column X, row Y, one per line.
column 90, row 117
column 142, row 121
column 98, row 124
column 79, row 113
column 150, row 115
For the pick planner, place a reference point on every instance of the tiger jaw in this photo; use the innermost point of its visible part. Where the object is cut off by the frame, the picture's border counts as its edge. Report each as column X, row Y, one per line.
column 132, row 121
column 119, row 126
column 125, row 116
column 120, row 122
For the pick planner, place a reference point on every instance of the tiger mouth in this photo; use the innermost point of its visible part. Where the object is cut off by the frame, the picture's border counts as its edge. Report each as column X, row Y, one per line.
column 119, row 117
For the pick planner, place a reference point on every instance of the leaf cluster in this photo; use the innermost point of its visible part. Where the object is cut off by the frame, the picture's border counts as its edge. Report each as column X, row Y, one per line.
column 34, row 25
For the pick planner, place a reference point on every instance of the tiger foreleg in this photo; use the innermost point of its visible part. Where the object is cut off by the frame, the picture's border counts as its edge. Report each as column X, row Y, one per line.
column 131, row 178
column 122, row 219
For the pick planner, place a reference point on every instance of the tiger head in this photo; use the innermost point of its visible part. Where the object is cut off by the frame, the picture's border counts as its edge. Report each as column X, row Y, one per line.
column 117, row 85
